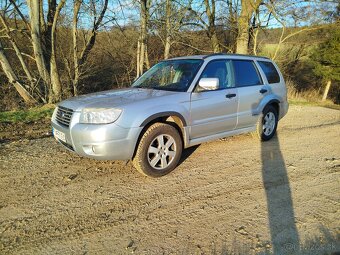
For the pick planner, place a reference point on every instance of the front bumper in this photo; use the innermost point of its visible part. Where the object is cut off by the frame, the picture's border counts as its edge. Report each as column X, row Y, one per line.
column 104, row 141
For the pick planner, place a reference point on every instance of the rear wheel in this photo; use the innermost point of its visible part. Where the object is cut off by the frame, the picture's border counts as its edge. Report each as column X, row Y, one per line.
column 159, row 150
column 267, row 124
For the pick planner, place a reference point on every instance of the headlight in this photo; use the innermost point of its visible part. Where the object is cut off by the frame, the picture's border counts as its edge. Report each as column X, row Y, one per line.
column 99, row 115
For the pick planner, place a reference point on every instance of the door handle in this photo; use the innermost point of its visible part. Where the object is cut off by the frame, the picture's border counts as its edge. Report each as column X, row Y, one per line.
column 230, row 95
column 262, row 91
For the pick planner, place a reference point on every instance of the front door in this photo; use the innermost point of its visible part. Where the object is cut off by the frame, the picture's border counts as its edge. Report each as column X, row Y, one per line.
column 214, row 112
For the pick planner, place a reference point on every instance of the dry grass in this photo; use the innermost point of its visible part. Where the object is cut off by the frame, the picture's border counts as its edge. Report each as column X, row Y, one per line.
column 307, row 97
column 310, row 95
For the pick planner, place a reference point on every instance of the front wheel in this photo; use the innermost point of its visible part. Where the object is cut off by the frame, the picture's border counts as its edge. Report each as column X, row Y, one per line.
column 159, row 150
column 267, row 124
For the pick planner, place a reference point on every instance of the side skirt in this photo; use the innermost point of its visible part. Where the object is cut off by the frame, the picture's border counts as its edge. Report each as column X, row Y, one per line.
column 209, row 138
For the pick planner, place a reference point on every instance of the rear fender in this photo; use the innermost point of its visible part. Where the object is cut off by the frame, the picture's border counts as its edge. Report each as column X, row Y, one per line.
column 266, row 101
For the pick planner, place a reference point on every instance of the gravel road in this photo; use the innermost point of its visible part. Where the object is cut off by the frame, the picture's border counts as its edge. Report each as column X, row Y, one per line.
column 232, row 196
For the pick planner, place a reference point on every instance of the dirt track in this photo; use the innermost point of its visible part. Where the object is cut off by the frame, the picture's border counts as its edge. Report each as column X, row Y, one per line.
column 233, row 196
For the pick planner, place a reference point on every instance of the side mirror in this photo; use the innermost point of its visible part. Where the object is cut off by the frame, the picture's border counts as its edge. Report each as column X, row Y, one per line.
column 209, row 83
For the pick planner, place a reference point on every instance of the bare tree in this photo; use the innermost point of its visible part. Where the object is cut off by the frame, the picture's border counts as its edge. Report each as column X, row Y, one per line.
column 80, row 57
column 168, row 20
column 35, row 11
column 211, row 27
column 142, row 47
column 13, row 79
column 168, row 14
column 207, row 21
column 248, row 7
column 231, row 25
column 11, row 38
column 42, row 37
column 54, row 73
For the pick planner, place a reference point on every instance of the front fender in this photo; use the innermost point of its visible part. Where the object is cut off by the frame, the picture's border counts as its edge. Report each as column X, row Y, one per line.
column 141, row 113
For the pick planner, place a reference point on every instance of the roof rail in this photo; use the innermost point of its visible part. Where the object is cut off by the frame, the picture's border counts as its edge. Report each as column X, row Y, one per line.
column 233, row 54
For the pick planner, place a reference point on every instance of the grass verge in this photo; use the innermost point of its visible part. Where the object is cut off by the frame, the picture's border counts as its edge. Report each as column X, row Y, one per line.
column 304, row 102
column 29, row 115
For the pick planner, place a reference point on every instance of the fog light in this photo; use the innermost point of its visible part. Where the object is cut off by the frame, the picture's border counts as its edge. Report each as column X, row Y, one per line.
column 88, row 149
column 97, row 149
column 93, row 149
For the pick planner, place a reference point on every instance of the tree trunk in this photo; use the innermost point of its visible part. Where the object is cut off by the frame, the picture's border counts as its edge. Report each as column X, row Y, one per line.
column 138, row 60
column 252, row 30
column 232, row 26
column 168, row 13
column 255, row 44
column 243, row 28
column 147, row 62
column 34, row 11
column 215, row 42
column 167, row 47
column 75, row 80
column 13, row 79
column 247, row 9
column 55, row 78
column 141, row 56
column 212, row 27
column 325, row 94
column 46, row 31
column 143, row 36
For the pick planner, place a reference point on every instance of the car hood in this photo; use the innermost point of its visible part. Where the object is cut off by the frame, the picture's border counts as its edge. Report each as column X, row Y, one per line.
column 113, row 98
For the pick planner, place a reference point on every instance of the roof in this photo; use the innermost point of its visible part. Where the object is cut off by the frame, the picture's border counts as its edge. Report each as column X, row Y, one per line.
column 218, row 54
column 190, row 57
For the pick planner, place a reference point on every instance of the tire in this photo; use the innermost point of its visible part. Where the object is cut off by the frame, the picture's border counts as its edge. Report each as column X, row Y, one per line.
column 158, row 151
column 267, row 124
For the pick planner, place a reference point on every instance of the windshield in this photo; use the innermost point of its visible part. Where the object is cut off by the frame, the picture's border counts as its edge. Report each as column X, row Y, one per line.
column 173, row 75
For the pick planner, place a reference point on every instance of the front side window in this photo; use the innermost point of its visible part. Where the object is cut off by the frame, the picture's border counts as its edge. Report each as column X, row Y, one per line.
column 172, row 75
column 222, row 70
column 246, row 73
column 270, row 71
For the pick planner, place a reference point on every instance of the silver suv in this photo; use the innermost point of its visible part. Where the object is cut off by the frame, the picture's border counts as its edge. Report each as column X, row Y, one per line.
column 176, row 104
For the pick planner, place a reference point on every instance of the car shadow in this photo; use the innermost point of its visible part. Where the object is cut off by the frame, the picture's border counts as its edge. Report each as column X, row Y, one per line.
column 283, row 231
column 187, row 153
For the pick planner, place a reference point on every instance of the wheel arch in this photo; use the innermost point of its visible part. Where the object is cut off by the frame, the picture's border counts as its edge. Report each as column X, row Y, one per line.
column 162, row 115
column 173, row 118
column 267, row 101
column 275, row 103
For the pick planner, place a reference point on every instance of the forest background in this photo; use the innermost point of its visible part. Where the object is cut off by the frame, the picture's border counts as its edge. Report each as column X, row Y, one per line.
column 52, row 50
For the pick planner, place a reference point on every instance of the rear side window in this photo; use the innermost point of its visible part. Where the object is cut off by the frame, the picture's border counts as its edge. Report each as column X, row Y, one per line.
column 270, row 71
column 246, row 73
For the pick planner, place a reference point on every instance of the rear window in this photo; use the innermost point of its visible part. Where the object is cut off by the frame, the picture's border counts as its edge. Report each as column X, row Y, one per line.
column 270, row 71
column 246, row 73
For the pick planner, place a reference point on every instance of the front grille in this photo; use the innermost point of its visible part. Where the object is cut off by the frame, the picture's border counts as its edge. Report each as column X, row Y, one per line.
column 64, row 116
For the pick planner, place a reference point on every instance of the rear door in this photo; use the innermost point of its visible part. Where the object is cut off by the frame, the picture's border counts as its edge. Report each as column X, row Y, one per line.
column 250, row 89
column 214, row 112
column 274, row 79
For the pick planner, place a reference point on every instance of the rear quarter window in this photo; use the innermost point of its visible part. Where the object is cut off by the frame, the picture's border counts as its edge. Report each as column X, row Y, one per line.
column 270, row 71
column 246, row 73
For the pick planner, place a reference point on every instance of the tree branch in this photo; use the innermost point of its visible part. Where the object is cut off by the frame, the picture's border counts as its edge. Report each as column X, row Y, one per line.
column 90, row 43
